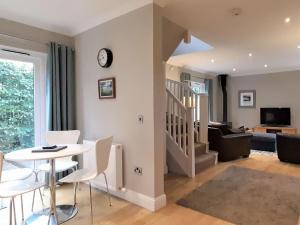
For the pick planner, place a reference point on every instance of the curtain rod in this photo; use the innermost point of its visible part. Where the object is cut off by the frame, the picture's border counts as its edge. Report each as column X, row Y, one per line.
column 36, row 42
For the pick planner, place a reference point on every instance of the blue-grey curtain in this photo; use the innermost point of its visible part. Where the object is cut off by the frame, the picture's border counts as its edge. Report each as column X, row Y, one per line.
column 185, row 76
column 209, row 91
column 61, row 87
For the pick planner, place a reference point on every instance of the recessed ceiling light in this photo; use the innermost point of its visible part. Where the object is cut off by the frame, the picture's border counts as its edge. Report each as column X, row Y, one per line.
column 298, row 46
column 287, row 20
column 212, row 60
column 265, row 65
column 234, row 69
column 250, row 54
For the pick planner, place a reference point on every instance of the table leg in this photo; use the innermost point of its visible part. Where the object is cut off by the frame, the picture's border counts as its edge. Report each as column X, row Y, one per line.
column 52, row 184
column 56, row 214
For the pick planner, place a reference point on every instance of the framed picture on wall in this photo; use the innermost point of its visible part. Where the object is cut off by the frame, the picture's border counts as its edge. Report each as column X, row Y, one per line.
column 247, row 99
column 107, row 88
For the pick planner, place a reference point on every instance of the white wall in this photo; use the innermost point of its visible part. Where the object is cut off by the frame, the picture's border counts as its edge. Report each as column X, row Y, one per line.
column 131, row 38
column 272, row 90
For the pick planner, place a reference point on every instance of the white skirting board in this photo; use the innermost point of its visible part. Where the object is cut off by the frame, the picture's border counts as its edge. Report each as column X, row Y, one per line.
column 152, row 204
column 114, row 174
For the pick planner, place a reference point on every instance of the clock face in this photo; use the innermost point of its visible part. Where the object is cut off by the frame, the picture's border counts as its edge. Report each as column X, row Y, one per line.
column 105, row 57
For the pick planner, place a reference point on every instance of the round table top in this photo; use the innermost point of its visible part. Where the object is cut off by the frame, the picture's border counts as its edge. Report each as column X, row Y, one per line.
column 27, row 154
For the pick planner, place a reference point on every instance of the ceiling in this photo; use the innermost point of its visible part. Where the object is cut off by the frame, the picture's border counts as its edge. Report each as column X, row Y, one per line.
column 260, row 30
column 68, row 17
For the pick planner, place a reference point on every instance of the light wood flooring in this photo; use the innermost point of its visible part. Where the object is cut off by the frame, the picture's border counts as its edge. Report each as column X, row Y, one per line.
column 123, row 213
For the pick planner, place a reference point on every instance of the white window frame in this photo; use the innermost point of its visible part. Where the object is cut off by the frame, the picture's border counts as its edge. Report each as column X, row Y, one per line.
column 40, row 62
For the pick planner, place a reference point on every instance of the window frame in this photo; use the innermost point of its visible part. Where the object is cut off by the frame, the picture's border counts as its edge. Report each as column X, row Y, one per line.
column 39, row 61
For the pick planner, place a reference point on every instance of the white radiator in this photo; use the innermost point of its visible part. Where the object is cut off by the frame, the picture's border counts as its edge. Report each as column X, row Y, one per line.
column 114, row 170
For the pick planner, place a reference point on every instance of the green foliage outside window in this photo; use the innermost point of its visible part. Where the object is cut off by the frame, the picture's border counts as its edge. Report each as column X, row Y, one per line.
column 16, row 105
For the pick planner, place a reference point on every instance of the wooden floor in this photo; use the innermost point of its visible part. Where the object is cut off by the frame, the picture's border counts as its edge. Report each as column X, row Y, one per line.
column 123, row 213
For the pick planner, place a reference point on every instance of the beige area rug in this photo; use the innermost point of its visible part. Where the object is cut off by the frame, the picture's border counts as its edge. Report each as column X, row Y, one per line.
column 248, row 197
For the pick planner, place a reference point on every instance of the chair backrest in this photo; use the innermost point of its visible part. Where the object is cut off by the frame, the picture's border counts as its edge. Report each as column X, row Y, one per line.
column 66, row 137
column 102, row 148
column 1, row 163
column 62, row 137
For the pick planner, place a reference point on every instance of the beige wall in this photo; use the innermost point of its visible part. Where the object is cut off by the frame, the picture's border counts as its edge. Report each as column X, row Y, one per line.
column 272, row 90
column 173, row 72
column 131, row 37
column 36, row 38
column 159, row 91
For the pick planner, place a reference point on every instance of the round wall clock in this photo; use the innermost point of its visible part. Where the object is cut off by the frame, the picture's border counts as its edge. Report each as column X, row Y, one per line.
column 105, row 57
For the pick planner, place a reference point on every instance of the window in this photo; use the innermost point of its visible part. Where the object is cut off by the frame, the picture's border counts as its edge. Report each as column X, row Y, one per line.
column 199, row 88
column 22, row 100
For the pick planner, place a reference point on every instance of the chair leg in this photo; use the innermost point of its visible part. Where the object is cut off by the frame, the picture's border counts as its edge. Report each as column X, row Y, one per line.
column 91, row 202
column 14, row 206
column 10, row 212
column 22, row 208
column 109, row 198
column 33, row 199
column 41, row 196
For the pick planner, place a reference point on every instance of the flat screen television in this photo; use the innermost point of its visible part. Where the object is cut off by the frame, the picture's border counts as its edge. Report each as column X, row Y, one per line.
column 275, row 116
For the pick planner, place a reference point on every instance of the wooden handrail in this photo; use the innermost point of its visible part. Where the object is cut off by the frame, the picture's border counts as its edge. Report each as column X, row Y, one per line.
column 176, row 99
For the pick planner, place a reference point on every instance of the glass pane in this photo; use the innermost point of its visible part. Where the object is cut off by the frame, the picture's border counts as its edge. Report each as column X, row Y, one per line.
column 16, row 105
column 197, row 87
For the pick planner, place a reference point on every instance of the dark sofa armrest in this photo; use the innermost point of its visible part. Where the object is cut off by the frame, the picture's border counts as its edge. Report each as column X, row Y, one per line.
column 234, row 146
column 242, row 135
column 288, row 147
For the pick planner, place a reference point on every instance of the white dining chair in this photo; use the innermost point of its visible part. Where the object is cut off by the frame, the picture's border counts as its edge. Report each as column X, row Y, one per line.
column 61, row 138
column 102, row 152
column 12, row 189
column 17, row 175
column 61, row 164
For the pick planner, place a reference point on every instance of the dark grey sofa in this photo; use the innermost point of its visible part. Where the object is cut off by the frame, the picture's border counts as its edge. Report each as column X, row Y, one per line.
column 264, row 142
column 288, row 148
column 230, row 146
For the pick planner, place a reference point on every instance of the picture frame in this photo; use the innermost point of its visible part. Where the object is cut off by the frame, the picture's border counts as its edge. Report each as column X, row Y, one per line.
column 247, row 99
column 107, row 88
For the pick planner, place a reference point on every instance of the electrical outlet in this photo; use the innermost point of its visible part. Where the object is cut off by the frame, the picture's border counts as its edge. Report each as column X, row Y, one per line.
column 140, row 119
column 138, row 170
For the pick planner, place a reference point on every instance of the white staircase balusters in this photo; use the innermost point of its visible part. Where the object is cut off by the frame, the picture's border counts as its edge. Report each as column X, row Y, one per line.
column 187, row 115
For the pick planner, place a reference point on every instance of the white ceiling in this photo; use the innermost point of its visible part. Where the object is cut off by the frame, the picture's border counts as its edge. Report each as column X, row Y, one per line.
column 260, row 29
column 68, row 17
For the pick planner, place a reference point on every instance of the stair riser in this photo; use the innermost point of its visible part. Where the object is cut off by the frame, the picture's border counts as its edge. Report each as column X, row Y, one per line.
column 201, row 166
column 200, row 150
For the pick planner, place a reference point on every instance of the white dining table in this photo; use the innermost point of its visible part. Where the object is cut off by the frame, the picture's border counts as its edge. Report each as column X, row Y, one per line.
column 56, row 214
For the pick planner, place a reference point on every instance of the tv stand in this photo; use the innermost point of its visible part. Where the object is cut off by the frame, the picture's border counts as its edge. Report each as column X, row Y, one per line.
column 275, row 129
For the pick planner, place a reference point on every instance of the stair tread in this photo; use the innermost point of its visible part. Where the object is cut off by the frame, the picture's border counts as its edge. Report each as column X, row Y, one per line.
column 199, row 144
column 206, row 156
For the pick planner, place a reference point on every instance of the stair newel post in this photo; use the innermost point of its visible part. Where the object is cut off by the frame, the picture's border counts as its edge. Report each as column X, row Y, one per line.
column 191, row 144
column 169, row 114
column 204, row 119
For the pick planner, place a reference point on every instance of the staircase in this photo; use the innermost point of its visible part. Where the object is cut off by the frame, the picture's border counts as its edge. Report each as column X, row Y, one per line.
column 186, row 130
